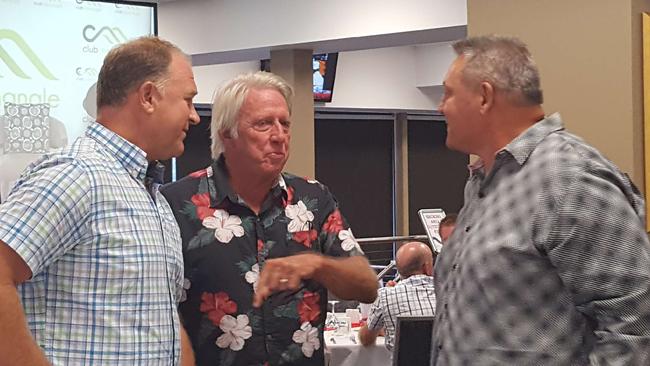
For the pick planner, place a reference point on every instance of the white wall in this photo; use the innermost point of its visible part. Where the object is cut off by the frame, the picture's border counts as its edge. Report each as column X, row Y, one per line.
column 380, row 78
column 209, row 78
column 404, row 77
column 407, row 77
column 432, row 62
column 202, row 26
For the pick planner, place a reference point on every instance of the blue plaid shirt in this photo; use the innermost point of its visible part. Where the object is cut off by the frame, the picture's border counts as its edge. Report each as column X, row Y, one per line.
column 105, row 255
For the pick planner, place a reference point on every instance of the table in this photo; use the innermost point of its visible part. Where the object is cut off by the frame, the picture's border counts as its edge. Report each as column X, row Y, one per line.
column 344, row 352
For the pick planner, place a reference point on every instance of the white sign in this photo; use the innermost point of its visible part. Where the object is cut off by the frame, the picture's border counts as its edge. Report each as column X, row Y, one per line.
column 431, row 218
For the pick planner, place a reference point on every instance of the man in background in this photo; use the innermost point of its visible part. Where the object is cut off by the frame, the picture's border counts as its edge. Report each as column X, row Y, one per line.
column 446, row 227
column 550, row 264
column 413, row 295
column 95, row 254
column 261, row 247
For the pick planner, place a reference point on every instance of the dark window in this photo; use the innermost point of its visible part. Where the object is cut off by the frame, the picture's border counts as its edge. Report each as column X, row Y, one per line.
column 354, row 158
column 197, row 154
column 437, row 175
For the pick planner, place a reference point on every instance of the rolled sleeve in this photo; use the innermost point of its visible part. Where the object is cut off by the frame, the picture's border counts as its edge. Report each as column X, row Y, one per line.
column 42, row 217
column 376, row 313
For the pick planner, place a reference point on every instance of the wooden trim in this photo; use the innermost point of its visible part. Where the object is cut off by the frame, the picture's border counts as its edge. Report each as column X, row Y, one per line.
column 646, row 108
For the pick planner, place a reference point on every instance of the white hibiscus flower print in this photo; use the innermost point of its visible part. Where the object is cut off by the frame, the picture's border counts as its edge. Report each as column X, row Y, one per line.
column 225, row 225
column 235, row 332
column 300, row 217
column 308, row 337
column 209, row 171
column 348, row 242
column 253, row 275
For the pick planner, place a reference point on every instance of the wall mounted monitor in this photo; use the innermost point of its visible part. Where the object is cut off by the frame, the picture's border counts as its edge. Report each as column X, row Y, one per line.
column 323, row 74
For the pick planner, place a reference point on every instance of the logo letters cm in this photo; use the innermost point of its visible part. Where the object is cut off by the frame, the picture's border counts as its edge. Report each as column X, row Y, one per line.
column 113, row 39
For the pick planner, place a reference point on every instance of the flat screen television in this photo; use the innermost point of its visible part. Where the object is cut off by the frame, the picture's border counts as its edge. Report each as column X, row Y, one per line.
column 324, row 74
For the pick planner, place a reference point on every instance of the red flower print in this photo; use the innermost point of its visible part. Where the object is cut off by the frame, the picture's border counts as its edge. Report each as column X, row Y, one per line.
column 201, row 199
column 309, row 307
column 199, row 173
column 305, row 237
column 334, row 222
column 260, row 245
column 202, row 203
column 217, row 305
column 289, row 199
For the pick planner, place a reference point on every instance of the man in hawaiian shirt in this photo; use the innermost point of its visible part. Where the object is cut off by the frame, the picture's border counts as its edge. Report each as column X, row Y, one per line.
column 261, row 247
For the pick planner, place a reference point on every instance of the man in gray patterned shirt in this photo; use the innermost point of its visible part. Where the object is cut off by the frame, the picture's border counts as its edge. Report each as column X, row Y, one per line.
column 550, row 261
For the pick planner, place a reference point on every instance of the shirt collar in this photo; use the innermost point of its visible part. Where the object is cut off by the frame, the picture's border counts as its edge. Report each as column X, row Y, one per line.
column 130, row 156
column 522, row 146
column 224, row 189
column 418, row 280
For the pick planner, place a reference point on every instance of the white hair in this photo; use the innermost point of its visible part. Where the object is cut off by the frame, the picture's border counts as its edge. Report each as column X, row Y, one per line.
column 229, row 99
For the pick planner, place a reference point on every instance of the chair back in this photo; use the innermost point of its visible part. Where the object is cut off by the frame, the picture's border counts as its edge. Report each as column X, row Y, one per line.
column 413, row 341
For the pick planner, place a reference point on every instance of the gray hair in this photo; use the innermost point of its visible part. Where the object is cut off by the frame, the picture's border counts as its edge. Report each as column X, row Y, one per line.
column 229, row 99
column 504, row 62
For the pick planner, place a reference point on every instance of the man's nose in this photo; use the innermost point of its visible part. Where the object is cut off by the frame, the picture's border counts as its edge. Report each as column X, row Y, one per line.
column 194, row 116
column 278, row 130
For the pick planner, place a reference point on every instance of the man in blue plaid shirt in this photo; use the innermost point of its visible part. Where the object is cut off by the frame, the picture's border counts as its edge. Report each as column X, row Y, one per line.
column 94, row 254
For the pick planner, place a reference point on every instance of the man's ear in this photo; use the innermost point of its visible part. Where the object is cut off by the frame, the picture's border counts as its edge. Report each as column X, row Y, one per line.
column 147, row 96
column 428, row 268
column 487, row 96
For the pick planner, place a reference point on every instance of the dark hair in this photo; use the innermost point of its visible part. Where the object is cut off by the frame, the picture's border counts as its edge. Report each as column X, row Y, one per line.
column 448, row 220
column 129, row 65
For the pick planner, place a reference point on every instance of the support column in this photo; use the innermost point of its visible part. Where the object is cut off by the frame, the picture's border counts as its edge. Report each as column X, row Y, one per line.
column 295, row 67
column 401, row 177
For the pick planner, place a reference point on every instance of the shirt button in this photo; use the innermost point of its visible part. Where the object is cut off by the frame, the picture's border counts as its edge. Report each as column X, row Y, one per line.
column 445, row 306
column 467, row 228
column 440, row 346
column 454, row 266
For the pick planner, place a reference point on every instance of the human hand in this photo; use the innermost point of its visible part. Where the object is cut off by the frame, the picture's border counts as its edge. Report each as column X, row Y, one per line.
column 286, row 273
column 391, row 283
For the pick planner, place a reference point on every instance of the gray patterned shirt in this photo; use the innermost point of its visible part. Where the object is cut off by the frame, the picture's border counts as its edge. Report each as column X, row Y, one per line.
column 549, row 263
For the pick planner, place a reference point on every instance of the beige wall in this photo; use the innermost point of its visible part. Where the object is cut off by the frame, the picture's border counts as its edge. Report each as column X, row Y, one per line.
column 589, row 55
column 295, row 67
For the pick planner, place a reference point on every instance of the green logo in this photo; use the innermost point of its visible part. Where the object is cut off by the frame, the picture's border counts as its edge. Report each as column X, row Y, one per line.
column 27, row 51
column 112, row 35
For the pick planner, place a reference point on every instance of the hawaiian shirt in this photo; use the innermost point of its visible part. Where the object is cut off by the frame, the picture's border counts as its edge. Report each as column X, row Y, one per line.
column 225, row 246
